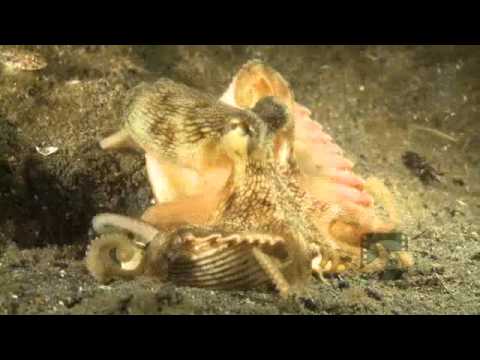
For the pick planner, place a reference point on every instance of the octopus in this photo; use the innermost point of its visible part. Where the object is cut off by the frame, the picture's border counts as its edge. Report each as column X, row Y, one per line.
column 14, row 60
column 250, row 236
column 248, row 189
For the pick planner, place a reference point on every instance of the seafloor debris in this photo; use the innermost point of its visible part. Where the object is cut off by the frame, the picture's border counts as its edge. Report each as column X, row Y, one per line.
column 46, row 150
column 22, row 60
column 421, row 168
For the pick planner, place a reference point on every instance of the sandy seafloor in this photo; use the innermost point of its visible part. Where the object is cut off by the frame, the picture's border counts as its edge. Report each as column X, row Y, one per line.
column 372, row 99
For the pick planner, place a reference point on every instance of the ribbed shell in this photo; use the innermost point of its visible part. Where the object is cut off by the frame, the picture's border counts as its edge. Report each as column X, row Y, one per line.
column 219, row 265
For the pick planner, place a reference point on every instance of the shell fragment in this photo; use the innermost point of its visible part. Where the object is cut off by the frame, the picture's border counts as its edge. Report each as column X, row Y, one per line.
column 46, row 150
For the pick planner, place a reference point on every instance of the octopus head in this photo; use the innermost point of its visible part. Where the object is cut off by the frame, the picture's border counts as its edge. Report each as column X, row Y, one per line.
column 242, row 134
column 280, row 124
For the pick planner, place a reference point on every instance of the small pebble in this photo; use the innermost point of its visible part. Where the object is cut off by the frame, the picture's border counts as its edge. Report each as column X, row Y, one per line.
column 73, row 82
column 309, row 304
column 46, row 150
column 476, row 257
column 374, row 294
column 343, row 284
column 438, row 269
column 72, row 301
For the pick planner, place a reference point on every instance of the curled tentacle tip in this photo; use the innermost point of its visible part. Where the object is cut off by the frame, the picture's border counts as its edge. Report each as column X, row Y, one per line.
column 113, row 256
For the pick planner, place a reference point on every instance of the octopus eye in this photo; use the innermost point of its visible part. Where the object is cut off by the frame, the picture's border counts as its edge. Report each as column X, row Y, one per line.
column 241, row 125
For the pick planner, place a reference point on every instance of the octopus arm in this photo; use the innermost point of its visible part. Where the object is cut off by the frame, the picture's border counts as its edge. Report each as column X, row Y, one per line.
column 196, row 210
column 113, row 256
column 273, row 272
